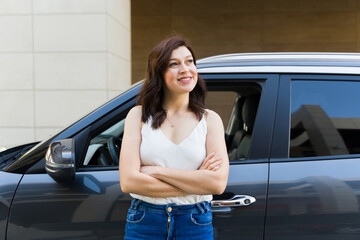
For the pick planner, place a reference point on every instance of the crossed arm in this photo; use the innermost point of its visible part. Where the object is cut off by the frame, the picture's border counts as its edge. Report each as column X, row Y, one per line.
column 156, row 181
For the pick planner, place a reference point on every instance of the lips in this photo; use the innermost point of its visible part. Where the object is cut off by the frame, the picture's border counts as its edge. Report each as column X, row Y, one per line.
column 185, row 79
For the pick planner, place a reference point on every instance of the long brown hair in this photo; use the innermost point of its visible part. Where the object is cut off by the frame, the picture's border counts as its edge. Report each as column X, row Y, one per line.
column 151, row 95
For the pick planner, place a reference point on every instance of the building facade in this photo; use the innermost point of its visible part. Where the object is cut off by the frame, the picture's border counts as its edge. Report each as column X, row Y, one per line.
column 59, row 59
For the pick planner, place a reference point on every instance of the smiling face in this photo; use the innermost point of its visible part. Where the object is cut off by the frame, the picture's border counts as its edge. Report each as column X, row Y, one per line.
column 181, row 74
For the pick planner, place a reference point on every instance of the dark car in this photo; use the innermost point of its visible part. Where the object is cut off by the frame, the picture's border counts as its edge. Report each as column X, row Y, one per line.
column 292, row 128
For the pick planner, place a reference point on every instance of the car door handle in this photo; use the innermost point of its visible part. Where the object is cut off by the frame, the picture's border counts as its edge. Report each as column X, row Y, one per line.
column 236, row 201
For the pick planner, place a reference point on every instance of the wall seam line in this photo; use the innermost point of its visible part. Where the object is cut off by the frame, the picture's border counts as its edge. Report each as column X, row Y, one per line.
column 33, row 67
column 107, row 49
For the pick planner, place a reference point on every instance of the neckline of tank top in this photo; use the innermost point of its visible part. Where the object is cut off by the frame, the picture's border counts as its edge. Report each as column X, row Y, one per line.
column 187, row 137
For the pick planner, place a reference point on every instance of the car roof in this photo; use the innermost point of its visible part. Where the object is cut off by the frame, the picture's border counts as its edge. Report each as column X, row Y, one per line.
column 283, row 62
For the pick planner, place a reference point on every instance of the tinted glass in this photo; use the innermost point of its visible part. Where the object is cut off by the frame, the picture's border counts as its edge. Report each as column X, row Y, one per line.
column 104, row 148
column 237, row 110
column 325, row 118
column 222, row 103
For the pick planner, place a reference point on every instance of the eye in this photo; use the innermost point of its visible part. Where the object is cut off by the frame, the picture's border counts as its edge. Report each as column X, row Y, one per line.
column 190, row 61
column 173, row 64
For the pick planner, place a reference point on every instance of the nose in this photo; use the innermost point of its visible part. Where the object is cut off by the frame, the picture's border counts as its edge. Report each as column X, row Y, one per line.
column 184, row 68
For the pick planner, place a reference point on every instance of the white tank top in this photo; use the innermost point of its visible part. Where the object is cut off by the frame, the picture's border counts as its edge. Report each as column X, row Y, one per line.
column 157, row 150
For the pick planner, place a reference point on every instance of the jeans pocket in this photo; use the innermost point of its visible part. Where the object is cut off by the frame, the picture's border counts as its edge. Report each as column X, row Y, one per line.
column 135, row 216
column 201, row 219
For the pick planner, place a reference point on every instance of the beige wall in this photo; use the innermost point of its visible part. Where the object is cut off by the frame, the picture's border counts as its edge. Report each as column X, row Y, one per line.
column 59, row 59
column 228, row 26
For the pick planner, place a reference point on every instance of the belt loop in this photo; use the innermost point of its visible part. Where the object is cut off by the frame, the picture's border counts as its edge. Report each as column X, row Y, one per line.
column 135, row 203
column 200, row 207
column 207, row 206
column 204, row 206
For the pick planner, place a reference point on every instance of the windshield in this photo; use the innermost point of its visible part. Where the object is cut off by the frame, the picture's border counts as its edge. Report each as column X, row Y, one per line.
column 12, row 154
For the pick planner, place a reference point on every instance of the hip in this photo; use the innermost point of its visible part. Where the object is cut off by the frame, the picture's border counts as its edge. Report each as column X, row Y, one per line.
column 170, row 221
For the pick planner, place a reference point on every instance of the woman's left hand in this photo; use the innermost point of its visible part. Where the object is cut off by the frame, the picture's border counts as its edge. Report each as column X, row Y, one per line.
column 211, row 162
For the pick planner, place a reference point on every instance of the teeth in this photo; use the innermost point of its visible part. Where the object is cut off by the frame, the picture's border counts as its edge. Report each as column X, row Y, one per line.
column 185, row 79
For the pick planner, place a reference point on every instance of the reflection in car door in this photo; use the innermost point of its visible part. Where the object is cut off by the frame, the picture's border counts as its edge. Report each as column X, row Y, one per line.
column 315, row 193
column 92, row 208
column 250, row 176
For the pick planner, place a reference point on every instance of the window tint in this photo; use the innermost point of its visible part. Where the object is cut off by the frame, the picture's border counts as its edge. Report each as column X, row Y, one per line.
column 237, row 108
column 325, row 118
column 222, row 103
column 104, row 148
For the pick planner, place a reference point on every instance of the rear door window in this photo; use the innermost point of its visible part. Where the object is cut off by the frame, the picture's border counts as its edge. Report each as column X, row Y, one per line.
column 325, row 118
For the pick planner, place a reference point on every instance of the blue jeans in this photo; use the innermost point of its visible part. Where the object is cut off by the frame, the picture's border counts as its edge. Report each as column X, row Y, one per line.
column 170, row 221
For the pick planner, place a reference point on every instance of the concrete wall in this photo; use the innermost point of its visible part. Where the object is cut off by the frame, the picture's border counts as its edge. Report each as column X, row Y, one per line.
column 59, row 59
column 228, row 26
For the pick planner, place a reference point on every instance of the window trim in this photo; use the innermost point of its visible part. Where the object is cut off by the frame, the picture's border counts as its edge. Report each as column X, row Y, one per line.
column 101, row 125
column 263, row 128
column 280, row 151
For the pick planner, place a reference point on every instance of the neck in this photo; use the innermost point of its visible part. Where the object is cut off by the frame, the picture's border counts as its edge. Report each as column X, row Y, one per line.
column 176, row 103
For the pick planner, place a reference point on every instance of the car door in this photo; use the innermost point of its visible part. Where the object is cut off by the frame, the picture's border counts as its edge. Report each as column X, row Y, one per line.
column 94, row 206
column 248, row 172
column 314, row 181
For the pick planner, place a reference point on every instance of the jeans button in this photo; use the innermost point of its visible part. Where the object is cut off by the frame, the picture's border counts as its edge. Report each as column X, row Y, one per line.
column 169, row 209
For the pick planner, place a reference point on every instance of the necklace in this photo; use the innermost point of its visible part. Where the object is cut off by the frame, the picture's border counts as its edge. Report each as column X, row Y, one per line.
column 171, row 123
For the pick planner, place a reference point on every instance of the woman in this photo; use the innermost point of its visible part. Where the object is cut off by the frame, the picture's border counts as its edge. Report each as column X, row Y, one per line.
column 173, row 154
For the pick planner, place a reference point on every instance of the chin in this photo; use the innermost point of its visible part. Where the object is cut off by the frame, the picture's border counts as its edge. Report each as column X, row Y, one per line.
column 189, row 89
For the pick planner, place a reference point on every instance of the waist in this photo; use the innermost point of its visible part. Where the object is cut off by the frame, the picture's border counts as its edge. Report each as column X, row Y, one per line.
column 199, row 207
column 185, row 200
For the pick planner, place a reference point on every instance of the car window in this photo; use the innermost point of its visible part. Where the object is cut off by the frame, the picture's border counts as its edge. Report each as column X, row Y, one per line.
column 325, row 118
column 237, row 108
column 104, row 148
column 222, row 103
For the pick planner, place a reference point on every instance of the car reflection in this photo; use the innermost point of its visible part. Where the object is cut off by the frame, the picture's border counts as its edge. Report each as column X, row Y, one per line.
column 85, row 212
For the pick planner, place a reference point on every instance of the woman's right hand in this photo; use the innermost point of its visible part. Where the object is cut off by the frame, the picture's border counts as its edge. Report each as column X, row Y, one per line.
column 211, row 162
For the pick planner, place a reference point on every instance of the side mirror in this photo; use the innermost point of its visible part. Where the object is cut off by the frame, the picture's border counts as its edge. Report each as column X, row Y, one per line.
column 60, row 160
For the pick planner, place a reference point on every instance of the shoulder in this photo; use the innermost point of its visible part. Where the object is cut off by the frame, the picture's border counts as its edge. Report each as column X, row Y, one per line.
column 213, row 120
column 132, row 129
column 134, row 115
column 135, row 111
column 212, row 117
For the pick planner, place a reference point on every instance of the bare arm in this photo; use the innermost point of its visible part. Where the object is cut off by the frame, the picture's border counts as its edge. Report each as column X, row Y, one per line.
column 202, row 181
column 131, row 179
column 192, row 181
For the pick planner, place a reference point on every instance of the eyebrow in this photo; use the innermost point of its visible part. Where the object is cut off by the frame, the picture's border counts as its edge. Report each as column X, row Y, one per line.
column 177, row 58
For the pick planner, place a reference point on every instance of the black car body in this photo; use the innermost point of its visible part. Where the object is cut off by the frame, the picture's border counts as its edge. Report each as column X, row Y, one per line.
column 293, row 135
